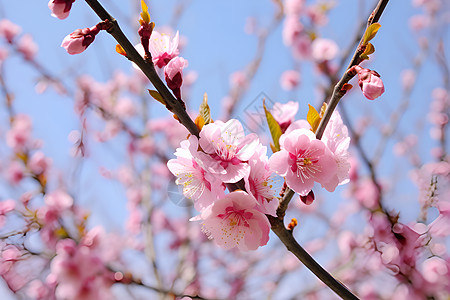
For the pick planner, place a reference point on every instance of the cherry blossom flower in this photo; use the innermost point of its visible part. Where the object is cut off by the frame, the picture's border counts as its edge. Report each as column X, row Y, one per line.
column 9, row 30
column 337, row 140
column 303, row 160
column 324, row 49
column 290, row 79
column 233, row 221
column 162, row 49
column 174, row 74
column 257, row 182
column 19, row 136
column 229, row 150
column 60, row 8
column 284, row 114
column 198, row 185
column 27, row 47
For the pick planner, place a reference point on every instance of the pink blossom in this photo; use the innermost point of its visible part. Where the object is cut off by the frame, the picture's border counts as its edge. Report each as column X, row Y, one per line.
column 15, row 172
column 9, row 30
column 27, row 47
column 294, row 7
column 257, row 182
column 19, row 136
column 233, row 221
column 369, row 81
column 301, row 47
column 337, row 140
column 60, row 8
column 292, row 30
column 324, row 49
column 303, row 160
column 239, row 80
column 174, row 74
column 162, row 49
column 284, row 113
column 38, row 163
column 79, row 40
column 198, row 184
column 290, row 79
column 229, row 149
column 441, row 225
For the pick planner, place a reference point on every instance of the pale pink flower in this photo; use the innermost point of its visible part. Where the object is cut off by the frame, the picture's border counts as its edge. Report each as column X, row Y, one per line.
column 290, row 79
column 229, row 149
column 9, row 30
column 173, row 72
column 198, row 184
column 284, row 113
column 162, row 48
column 79, row 40
column 124, row 108
column 6, row 206
column 38, row 163
column 257, row 183
column 15, row 172
column 233, row 221
column 441, row 225
column 317, row 14
column 56, row 203
column 294, row 7
column 369, row 81
column 419, row 22
column 303, row 160
column 60, row 8
column 337, row 140
column 292, row 29
column 19, row 136
column 239, row 80
column 27, row 47
column 301, row 47
column 324, row 49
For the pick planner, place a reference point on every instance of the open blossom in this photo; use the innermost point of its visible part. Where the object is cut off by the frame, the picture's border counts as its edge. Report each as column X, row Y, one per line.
column 233, row 221
column 79, row 40
column 60, row 8
column 19, row 136
column 290, row 79
column 337, row 140
column 284, row 114
column 174, row 74
column 324, row 49
column 257, row 182
column 198, row 185
column 303, row 160
column 229, row 149
column 9, row 30
column 162, row 48
column 27, row 47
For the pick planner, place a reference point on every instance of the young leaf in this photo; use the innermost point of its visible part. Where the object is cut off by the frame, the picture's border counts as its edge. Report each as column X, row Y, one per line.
column 199, row 122
column 157, row 96
column 274, row 127
column 370, row 33
column 313, row 118
column 144, row 14
column 204, row 111
column 120, row 50
column 369, row 50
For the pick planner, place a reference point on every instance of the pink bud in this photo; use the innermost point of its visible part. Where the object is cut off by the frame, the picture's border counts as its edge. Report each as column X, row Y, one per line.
column 308, row 199
column 79, row 40
column 174, row 74
column 60, row 8
column 27, row 47
column 370, row 83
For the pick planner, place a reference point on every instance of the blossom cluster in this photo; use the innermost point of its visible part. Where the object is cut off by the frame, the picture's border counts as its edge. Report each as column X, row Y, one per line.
column 224, row 155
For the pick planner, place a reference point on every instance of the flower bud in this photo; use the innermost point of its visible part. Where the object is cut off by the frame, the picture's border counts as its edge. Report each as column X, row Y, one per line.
column 60, row 8
column 79, row 40
column 174, row 74
column 370, row 83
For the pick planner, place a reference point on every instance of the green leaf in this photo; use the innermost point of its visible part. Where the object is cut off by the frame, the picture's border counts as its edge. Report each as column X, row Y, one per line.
column 371, row 32
column 274, row 127
column 313, row 118
column 369, row 50
column 204, row 111
column 157, row 96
